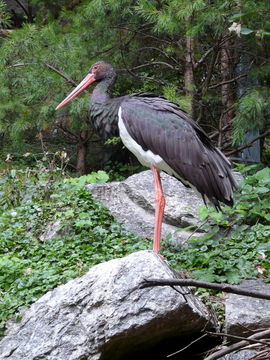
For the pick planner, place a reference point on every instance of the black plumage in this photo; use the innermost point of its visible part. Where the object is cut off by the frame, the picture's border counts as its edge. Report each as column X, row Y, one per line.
column 162, row 128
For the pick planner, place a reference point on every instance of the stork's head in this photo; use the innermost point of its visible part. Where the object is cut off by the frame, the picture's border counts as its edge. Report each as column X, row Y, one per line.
column 99, row 71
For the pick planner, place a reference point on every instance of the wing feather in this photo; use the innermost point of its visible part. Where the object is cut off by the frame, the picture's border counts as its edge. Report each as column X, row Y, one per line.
column 162, row 127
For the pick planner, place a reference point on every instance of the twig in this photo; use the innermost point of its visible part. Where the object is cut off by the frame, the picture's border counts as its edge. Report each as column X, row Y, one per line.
column 228, row 81
column 66, row 77
column 23, row 7
column 154, row 63
column 214, row 286
column 68, row 133
column 72, row 4
column 216, row 133
column 267, row 132
column 229, row 349
column 204, row 56
column 71, row 81
column 186, row 347
column 157, row 49
column 254, row 341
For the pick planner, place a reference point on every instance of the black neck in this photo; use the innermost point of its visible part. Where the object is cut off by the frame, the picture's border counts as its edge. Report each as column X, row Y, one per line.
column 102, row 90
column 104, row 109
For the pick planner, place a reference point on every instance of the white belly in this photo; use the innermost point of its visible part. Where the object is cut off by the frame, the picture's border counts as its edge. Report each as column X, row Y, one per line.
column 146, row 158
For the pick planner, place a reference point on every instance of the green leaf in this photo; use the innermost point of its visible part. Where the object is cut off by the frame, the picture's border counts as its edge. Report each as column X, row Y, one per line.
column 236, row 16
column 245, row 31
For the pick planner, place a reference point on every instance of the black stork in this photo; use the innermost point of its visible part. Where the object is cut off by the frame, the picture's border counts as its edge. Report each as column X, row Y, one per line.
column 161, row 136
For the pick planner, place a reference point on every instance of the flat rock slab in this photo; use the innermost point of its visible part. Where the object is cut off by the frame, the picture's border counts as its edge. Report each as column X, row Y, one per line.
column 132, row 203
column 103, row 315
column 243, row 313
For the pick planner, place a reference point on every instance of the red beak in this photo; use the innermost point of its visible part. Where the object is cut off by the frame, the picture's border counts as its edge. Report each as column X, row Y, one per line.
column 88, row 80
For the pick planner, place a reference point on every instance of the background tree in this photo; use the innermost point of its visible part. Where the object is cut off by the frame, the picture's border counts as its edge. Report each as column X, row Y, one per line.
column 189, row 53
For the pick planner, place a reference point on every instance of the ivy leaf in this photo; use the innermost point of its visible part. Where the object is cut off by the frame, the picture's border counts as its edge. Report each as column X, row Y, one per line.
column 236, row 17
column 245, row 31
column 233, row 277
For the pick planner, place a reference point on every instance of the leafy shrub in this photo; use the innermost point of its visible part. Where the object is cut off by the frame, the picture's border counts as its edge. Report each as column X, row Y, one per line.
column 237, row 243
column 29, row 267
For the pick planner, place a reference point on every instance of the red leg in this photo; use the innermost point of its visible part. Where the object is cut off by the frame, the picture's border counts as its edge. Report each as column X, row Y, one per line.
column 160, row 205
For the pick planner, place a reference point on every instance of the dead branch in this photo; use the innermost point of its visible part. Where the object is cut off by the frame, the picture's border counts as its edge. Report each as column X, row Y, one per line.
column 57, row 71
column 240, row 148
column 229, row 349
column 186, row 347
column 68, row 133
column 204, row 56
column 228, row 81
column 217, row 45
column 154, row 63
column 22, row 7
column 203, row 284
column 253, row 341
column 210, row 69
column 216, row 133
column 66, row 77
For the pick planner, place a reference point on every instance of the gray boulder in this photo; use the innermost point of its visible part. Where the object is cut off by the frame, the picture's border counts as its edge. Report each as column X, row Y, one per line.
column 132, row 203
column 243, row 313
column 104, row 315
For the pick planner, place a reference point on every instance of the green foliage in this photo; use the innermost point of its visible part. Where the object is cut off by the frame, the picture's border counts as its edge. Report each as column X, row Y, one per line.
column 119, row 171
column 95, row 177
column 237, row 243
column 5, row 17
column 236, row 246
column 251, row 112
column 31, row 200
column 66, row 39
column 171, row 94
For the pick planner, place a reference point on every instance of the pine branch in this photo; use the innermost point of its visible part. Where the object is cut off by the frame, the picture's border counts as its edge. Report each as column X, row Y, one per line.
column 66, row 77
column 57, row 71
column 207, row 285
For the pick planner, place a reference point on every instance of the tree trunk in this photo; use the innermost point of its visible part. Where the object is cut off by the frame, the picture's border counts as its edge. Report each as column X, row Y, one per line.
column 81, row 158
column 82, row 147
column 227, row 92
column 189, row 74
